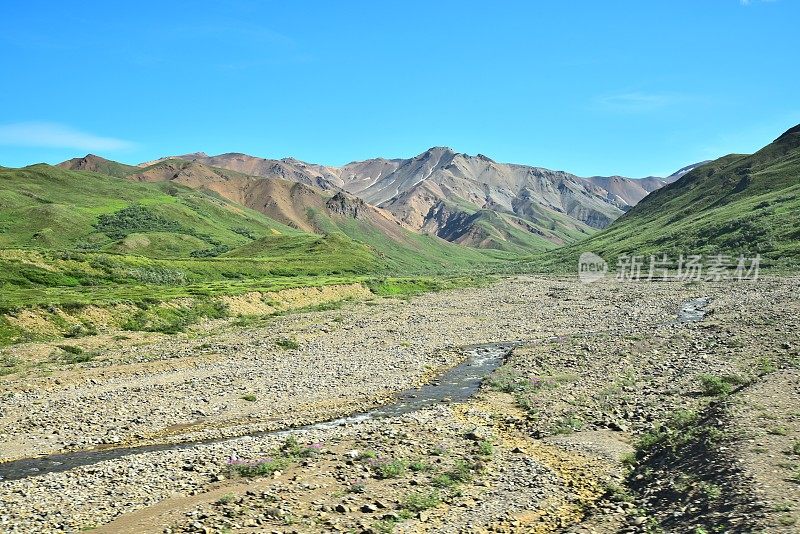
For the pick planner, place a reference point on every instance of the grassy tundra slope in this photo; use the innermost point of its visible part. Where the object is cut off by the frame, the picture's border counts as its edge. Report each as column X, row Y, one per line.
column 738, row 204
column 70, row 239
column 49, row 208
column 46, row 207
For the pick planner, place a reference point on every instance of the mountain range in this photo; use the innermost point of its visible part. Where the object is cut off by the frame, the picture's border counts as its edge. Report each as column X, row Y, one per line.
column 469, row 200
column 95, row 230
column 403, row 213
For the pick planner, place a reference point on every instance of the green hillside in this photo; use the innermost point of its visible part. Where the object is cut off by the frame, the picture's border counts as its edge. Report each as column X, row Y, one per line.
column 738, row 204
column 408, row 252
column 310, row 252
column 71, row 238
column 507, row 231
column 46, row 207
column 393, row 249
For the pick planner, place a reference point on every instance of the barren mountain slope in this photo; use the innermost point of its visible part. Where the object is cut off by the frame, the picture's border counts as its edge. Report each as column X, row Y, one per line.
column 313, row 210
column 476, row 201
column 626, row 190
column 471, row 200
column 283, row 200
column 286, row 169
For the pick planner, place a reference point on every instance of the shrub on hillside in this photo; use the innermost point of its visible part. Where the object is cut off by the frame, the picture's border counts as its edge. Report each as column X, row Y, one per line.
column 134, row 219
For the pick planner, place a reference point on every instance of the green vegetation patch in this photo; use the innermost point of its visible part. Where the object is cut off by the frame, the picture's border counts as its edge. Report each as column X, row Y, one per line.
column 174, row 319
column 389, row 468
column 133, row 219
column 408, row 287
column 288, row 453
column 287, row 343
column 713, row 385
column 421, row 500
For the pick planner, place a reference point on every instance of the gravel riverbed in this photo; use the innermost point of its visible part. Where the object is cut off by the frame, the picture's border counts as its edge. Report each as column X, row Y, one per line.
column 621, row 363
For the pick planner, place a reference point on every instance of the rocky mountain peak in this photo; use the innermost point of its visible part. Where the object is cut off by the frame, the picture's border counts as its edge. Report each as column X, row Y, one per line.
column 195, row 155
column 439, row 151
column 89, row 159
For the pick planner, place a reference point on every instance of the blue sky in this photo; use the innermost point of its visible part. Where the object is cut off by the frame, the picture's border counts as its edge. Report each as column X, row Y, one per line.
column 591, row 87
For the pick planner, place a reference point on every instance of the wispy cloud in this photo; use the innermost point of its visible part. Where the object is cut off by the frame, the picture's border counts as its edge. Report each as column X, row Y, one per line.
column 637, row 102
column 53, row 135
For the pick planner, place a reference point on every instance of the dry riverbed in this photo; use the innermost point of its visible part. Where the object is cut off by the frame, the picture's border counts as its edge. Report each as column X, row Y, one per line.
column 579, row 431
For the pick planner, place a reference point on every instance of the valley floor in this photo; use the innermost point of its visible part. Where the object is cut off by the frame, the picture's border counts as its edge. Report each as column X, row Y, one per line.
column 610, row 415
